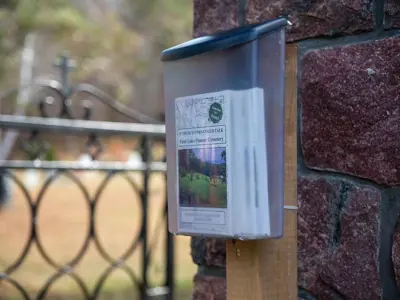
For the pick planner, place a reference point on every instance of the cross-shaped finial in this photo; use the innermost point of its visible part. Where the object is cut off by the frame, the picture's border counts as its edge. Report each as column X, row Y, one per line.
column 66, row 66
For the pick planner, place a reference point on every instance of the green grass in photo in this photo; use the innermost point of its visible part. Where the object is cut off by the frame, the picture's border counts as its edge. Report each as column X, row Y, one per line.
column 198, row 184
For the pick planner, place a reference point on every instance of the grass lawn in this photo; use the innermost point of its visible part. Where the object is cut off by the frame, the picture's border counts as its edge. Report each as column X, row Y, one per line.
column 208, row 193
column 62, row 225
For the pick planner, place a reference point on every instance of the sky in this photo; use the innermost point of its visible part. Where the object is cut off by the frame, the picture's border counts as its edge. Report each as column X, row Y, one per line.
column 211, row 155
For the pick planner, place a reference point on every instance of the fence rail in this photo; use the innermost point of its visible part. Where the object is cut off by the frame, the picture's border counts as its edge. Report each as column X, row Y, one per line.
column 80, row 126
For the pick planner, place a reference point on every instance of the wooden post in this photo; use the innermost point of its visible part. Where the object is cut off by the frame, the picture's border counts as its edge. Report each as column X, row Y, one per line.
column 267, row 269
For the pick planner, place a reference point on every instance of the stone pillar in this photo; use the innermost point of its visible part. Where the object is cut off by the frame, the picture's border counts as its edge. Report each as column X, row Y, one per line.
column 349, row 150
column 210, row 280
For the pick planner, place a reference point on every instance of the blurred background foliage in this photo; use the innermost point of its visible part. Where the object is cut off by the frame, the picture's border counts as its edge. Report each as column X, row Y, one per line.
column 116, row 43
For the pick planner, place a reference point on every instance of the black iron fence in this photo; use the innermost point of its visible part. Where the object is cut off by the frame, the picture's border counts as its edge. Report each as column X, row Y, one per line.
column 36, row 148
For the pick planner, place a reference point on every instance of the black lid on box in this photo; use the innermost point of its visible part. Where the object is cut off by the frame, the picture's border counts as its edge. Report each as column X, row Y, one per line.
column 222, row 40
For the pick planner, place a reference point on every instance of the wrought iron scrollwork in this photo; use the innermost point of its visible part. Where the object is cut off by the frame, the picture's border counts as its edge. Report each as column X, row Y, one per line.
column 37, row 151
column 59, row 94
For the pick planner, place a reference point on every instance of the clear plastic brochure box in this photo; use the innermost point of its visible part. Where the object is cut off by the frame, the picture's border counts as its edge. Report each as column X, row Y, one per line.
column 224, row 110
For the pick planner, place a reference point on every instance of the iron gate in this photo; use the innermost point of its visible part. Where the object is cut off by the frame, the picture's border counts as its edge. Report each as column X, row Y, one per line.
column 36, row 146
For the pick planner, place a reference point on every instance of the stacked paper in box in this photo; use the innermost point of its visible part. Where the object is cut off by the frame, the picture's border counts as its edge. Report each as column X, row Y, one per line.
column 222, row 182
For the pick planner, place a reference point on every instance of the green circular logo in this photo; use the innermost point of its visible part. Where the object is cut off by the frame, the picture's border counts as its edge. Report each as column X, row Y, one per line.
column 215, row 112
